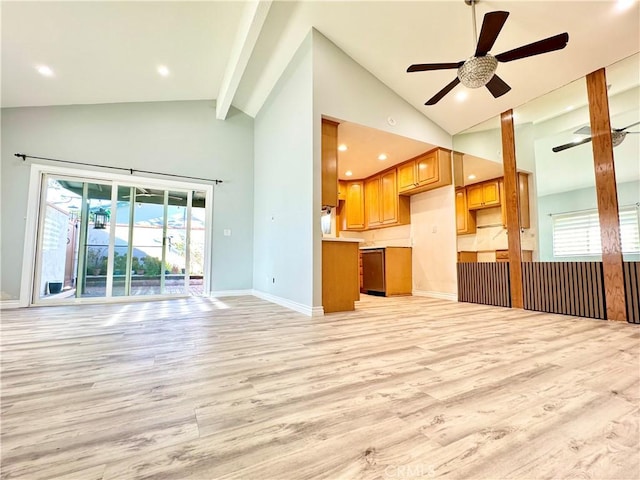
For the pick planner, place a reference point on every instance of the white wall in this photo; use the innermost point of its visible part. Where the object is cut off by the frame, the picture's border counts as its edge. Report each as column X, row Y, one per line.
column 344, row 90
column 174, row 137
column 285, row 189
column 433, row 218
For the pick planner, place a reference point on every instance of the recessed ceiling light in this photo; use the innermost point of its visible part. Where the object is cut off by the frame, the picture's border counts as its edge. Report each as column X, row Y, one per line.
column 163, row 70
column 348, row 173
column 461, row 96
column 623, row 5
column 44, row 71
column 382, row 156
column 471, row 177
column 342, row 148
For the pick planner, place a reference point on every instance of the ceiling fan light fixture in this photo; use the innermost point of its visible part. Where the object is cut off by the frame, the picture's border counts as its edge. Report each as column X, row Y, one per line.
column 477, row 71
column 617, row 137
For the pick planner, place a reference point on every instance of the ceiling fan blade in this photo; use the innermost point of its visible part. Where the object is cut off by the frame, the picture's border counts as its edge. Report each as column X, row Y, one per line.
column 569, row 145
column 423, row 67
column 491, row 26
column 632, row 132
column 586, row 130
column 557, row 42
column 497, row 86
column 628, row 126
column 438, row 96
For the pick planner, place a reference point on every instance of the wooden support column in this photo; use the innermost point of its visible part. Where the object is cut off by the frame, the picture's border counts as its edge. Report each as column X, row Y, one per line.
column 606, row 192
column 511, row 206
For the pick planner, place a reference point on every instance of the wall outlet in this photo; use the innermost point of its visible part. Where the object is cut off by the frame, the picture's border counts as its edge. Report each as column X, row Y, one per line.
column 227, row 232
column 273, row 280
column 434, row 229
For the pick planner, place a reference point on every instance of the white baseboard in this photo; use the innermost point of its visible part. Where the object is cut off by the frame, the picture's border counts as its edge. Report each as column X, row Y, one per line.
column 231, row 293
column 7, row 304
column 284, row 302
column 440, row 295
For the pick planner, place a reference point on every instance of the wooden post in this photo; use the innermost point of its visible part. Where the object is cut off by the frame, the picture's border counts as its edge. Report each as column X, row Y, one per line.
column 606, row 192
column 511, row 206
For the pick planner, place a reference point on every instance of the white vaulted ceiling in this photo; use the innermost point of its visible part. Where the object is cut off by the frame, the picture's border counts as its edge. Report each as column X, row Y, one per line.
column 104, row 52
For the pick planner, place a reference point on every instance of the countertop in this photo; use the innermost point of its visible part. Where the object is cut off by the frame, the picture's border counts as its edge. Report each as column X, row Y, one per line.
column 338, row 239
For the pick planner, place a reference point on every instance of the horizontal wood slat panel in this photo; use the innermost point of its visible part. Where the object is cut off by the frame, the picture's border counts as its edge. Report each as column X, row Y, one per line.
column 632, row 289
column 569, row 288
column 484, row 282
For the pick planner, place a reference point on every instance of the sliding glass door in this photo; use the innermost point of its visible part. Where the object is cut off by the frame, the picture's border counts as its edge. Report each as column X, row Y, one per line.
column 109, row 239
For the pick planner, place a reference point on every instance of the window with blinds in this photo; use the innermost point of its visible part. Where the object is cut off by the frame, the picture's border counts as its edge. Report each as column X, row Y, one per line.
column 578, row 233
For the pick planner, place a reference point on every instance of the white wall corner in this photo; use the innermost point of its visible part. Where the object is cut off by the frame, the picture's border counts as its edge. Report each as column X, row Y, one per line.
column 440, row 295
column 284, row 302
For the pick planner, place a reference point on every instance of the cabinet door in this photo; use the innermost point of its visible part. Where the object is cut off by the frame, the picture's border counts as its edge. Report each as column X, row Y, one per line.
column 389, row 197
column 474, row 196
column 465, row 220
column 355, row 206
column 406, row 176
column 342, row 190
column 372, row 202
column 427, row 169
column 329, row 163
column 491, row 193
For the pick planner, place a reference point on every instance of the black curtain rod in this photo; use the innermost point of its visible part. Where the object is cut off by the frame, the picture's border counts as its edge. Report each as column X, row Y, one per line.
column 130, row 170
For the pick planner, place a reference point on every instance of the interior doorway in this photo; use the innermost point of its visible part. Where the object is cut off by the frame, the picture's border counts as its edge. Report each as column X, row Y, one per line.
column 101, row 239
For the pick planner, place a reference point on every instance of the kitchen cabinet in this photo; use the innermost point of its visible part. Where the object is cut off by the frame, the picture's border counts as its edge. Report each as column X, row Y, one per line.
column 383, row 205
column 387, row 271
column 425, row 172
column 354, row 206
column 340, row 275
column 372, row 202
column 342, row 190
column 329, row 163
column 523, row 201
column 503, row 255
column 467, row 257
column 465, row 219
column 483, row 195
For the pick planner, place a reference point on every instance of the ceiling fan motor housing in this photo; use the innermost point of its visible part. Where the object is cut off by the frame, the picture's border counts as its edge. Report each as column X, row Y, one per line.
column 476, row 72
column 617, row 137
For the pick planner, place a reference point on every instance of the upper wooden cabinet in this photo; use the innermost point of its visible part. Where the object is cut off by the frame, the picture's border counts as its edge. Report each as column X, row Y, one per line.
column 425, row 172
column 483, row 195
column 329, row 163
column 342, row 190
column 354, row 206
column 465, row 220
column 383, row 205
column 372, row 202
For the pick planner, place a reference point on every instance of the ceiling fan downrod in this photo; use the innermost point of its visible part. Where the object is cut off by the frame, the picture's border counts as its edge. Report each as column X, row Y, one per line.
column 472, row 3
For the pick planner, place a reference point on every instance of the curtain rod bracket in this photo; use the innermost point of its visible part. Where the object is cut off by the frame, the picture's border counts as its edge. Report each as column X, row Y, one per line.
column 22, row 156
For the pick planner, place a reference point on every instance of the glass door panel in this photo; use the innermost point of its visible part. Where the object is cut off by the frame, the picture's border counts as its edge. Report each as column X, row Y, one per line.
column 149, row 220
column 58, row 241
column 176, row 253
column 95, row 232
column 197, row 243
column 122, row 262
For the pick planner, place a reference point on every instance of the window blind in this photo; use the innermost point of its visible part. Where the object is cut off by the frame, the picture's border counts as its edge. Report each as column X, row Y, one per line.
column 578, row 233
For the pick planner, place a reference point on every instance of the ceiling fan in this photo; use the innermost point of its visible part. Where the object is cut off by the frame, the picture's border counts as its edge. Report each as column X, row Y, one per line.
column 146, row 193
column 479, row 70
column 617, row 136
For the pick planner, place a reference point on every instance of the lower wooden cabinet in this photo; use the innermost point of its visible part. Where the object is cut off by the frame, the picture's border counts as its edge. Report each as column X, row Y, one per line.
column 340, row 275
column 387, row 271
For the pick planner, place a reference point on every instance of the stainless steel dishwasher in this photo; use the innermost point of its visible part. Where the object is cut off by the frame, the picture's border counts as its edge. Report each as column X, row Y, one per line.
column 373, row 271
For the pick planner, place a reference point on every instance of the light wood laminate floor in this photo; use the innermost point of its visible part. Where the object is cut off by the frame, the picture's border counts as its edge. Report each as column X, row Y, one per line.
column 239, row 388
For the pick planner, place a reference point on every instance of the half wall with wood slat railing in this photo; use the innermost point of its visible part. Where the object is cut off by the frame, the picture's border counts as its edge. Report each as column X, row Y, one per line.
column 569, row 288
column 484, row 282
column 632, row 290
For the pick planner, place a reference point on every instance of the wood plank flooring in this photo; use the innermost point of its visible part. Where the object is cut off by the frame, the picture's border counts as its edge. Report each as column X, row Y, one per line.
column 239, row 388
